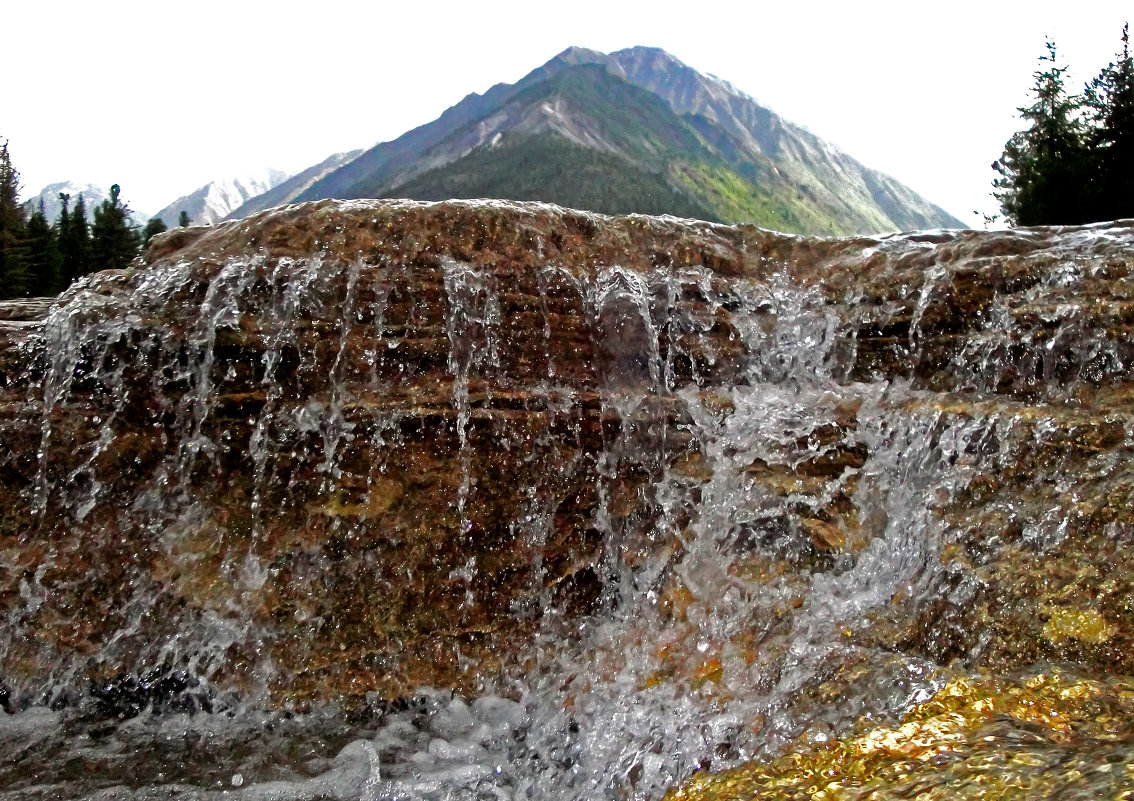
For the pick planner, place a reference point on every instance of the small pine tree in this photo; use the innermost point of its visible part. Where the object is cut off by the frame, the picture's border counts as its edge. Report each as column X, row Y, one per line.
column 183, row 219
column 13, row 249
column 155, row 226
column 114, row 241
column 1042, row 170
column 1109, row 101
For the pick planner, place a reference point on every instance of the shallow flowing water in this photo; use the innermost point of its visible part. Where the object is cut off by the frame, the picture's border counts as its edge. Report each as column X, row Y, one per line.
column 774, row 518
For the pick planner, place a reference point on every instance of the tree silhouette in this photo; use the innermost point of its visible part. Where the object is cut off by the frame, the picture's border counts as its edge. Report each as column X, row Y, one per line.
column 1043, row 167
column 1109, row 103
column 155, row 226
column 74, row 240
column 114, row 241
column 13, row 251
column 43, row 255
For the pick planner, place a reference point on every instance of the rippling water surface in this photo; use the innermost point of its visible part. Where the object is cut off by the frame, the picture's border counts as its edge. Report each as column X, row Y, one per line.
column 738, row 617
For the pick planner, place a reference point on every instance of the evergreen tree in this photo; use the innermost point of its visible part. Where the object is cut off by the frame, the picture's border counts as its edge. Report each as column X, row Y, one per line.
column 74, row 241
column 155, row 226
column 1043, row 170
column 44, row 262
column 183, row 219
column 63, row 239
column 63, row 221
column 13, row 250
column 1109, row 100
column 114, row 241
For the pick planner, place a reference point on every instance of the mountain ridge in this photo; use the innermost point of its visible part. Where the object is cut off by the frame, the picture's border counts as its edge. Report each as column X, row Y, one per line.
column 286, row 191
column 213, row 201
column 712, row 144
column 93, row 196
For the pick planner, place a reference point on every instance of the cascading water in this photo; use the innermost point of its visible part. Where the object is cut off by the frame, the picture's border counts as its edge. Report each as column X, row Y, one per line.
column 638, row 510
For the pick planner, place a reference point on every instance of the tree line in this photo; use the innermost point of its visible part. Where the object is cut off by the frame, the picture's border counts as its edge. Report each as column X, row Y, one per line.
column 41, row 258
column 1075, row 161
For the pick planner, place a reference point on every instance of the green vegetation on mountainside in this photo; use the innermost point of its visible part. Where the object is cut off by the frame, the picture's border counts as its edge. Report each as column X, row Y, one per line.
column 733, row 198
column 662, row 165
column 550, row 168
column 688, row 143
column 586, row 138
column 640, row 124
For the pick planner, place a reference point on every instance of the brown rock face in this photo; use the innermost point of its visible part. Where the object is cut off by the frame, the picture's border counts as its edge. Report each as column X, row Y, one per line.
column 345, row 448
column 351, row 448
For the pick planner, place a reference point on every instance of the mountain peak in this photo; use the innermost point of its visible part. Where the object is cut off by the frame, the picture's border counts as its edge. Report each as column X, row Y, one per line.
column 662, row 73
column 582, row 55
column 215, row 200
column 575, row 56
column 646, row 52
column 635, row 130
column 285, row 192
column 92, row 194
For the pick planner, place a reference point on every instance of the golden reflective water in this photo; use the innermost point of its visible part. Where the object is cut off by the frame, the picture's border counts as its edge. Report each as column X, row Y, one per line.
column 1050, row 735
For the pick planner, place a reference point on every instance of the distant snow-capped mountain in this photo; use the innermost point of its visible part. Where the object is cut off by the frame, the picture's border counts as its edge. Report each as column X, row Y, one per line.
column 92, row 197
column 215, row 200
column 289, row 190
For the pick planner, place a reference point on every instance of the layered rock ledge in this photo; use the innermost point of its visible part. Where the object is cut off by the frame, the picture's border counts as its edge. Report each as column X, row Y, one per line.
column 344, row 450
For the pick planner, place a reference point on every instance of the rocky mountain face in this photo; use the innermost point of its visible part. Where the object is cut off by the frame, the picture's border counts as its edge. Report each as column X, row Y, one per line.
column 215, row 200
column 634, row 131
column 92, row 196
column 655, row 492
column 750, row 134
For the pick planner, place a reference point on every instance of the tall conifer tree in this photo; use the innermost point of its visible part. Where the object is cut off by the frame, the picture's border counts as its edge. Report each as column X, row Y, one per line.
column 1042, row 170
column 74, row 242
column 43, row 255
column 1109, row 100
column 13, row 249
column 114, row 241
column 63, row 221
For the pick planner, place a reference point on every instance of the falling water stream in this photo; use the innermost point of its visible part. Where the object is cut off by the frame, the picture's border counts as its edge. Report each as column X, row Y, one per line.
column 774, row 515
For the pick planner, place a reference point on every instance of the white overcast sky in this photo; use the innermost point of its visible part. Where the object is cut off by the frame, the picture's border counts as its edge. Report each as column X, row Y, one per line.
column 163, row 97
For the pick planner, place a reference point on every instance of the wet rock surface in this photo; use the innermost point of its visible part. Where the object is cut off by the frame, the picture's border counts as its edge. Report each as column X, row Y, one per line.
column 1040, row 736
column 767, row 488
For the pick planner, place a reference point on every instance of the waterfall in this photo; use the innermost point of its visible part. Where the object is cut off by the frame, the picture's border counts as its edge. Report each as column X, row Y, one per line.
column 486, row 501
